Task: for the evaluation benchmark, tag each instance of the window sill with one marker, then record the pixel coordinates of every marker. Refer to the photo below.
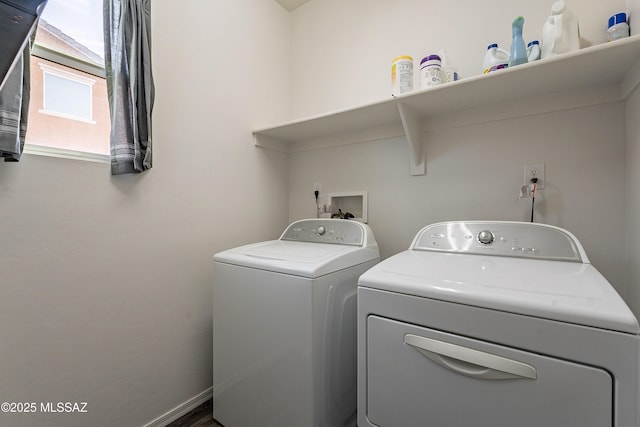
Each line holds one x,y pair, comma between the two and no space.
67,116
40,150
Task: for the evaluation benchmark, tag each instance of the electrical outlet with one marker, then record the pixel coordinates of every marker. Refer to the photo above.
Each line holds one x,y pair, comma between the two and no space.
534,171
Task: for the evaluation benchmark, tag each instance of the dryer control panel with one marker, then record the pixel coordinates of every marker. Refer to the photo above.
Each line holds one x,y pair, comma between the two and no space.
336,231
501,238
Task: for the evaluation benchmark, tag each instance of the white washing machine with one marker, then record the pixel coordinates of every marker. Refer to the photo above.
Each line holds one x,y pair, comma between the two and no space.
494,324
284,326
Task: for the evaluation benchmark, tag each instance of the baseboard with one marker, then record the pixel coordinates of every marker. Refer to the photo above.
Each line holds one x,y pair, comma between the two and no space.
182,409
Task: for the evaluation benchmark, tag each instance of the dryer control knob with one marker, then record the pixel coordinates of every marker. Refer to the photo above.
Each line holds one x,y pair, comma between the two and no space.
321,230
486,237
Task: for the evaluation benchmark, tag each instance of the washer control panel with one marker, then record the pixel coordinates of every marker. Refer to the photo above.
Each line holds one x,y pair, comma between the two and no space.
515,239
343,232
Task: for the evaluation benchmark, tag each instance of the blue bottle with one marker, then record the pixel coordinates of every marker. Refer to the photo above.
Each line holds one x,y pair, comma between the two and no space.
518,48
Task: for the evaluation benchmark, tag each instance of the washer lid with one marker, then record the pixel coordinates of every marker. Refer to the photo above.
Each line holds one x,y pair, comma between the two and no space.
297,258
564,291
309,248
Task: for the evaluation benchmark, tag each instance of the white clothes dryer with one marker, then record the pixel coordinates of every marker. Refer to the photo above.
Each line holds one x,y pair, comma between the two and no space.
284,326
494,324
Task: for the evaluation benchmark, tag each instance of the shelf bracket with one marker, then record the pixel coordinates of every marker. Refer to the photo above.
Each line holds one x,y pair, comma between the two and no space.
413,131
270,142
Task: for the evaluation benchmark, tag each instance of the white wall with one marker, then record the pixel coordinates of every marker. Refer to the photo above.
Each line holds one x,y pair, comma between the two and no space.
105,284
632,167
632,200
341,54
633,16
474,172
342,50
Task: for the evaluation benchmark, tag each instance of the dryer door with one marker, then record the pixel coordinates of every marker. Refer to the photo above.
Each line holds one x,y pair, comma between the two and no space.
418,376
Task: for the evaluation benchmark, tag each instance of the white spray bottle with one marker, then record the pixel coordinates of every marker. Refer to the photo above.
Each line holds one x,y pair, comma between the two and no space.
449,72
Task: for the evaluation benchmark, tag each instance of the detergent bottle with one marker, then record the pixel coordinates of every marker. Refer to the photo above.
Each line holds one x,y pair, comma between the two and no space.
533,50
495,59
518,48
618,27
560,33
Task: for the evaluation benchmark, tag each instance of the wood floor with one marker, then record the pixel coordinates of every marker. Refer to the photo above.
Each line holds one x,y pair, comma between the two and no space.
202,416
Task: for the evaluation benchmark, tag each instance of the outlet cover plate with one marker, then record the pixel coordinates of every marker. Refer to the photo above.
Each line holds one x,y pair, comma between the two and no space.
534,171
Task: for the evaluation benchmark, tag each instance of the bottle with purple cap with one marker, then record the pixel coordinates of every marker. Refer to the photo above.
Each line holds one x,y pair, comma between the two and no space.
431,71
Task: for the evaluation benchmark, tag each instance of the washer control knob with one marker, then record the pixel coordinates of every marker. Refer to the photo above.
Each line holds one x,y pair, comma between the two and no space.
486,237
322,230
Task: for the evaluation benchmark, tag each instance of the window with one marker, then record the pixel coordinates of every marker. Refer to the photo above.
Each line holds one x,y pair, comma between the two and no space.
67,95
69,109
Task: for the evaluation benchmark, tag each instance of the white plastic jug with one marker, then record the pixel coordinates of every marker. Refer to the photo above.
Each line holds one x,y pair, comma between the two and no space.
495,59
533,50
560,33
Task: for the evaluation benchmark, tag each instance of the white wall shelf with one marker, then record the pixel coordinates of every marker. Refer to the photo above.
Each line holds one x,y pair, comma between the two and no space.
615,64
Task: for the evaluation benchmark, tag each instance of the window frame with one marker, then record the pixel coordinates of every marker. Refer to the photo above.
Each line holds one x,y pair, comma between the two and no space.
67,60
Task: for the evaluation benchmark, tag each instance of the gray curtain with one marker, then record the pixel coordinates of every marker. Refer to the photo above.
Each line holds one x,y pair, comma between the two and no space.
127,47
14,107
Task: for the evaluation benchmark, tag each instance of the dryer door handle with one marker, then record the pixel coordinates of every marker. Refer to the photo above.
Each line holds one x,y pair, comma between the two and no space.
470,362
